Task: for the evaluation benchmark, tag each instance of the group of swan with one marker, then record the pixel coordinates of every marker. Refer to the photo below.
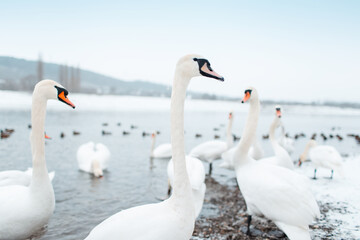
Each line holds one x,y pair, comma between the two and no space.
26,209
269,187
281,157
272,191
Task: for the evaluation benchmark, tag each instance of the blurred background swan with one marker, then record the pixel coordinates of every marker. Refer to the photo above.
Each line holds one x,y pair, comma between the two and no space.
93,158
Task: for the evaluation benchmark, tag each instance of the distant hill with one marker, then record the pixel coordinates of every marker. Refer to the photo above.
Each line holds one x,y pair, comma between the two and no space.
15,72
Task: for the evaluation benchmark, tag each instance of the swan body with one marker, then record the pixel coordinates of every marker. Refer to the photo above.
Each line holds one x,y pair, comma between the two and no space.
209,151
26,209
324,156
212,150
274,192
282,157
196,171
16,177
161,151
173,218
93,158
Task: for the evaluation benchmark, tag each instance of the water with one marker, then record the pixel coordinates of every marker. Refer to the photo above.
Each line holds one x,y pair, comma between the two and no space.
83,201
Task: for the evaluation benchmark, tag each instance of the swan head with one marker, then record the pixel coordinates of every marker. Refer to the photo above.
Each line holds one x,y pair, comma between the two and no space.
230,115
310,144
278,111
53,90
195,65
250,94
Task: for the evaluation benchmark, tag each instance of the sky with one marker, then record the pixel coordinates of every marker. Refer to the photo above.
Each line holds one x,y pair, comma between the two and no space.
289,50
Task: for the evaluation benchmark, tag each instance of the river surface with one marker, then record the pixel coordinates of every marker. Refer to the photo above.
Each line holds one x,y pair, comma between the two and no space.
132,179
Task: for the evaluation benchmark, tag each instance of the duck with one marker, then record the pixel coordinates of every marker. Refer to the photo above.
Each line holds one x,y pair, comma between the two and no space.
29,208
93,158
17,177
212,150
196,172
103,132
161,151
4,134
173,218
282,157
76,133
325,156
271,191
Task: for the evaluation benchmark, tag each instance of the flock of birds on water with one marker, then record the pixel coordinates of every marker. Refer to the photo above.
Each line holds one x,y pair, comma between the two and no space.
270,186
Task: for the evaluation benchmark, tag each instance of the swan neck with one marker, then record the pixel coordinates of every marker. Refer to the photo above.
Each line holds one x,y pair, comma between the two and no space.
249,134
273,127
182,188
37,139
152,146
229,137
306,150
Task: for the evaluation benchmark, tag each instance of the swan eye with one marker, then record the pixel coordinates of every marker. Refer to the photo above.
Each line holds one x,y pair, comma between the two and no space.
209,67
195,59
277,109
248,91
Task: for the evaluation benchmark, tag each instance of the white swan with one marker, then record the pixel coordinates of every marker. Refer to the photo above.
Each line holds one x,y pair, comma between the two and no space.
282,157
196,172
161,151
275,192
212,150
17,177
173,218
93,158
25,210
323,156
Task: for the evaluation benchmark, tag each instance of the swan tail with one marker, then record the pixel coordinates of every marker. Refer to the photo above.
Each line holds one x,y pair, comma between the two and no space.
294,232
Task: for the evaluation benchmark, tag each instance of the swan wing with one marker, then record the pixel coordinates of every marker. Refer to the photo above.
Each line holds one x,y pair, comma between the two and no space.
14,177
163,151
102,154
209,151
278,193
326,156
85,155
151,221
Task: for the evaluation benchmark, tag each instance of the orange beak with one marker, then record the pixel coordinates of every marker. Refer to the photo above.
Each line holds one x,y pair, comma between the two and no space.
47,137
299,163
246,97
66,100
278,113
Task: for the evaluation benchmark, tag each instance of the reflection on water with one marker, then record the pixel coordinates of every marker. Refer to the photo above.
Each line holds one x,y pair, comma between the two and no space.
132,178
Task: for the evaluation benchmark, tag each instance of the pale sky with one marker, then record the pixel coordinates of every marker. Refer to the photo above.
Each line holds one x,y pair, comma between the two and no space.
289,50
